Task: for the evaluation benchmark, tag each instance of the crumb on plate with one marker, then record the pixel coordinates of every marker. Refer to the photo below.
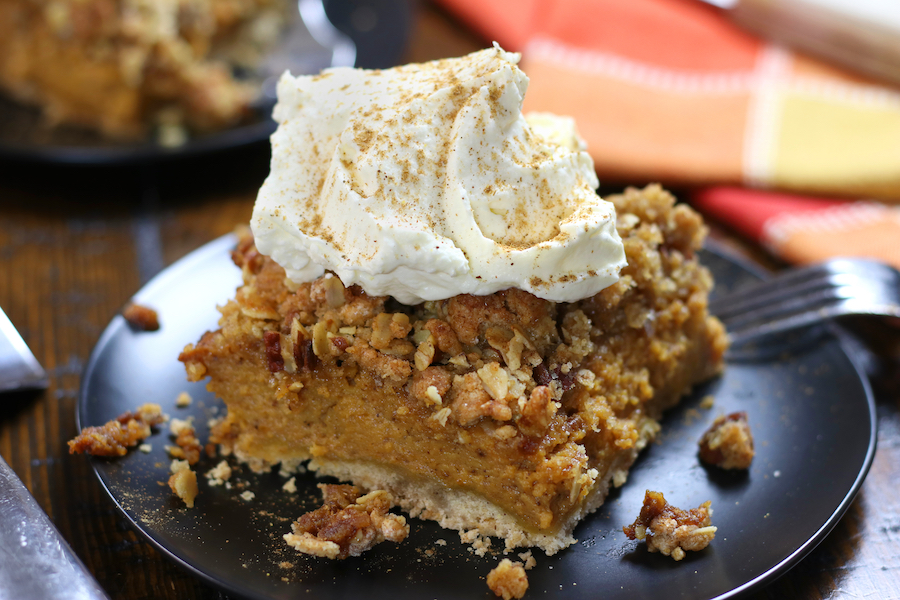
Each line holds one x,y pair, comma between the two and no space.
141,317
219,474
115,437
183,482
728,443
508,579
347,524
669,529
188,446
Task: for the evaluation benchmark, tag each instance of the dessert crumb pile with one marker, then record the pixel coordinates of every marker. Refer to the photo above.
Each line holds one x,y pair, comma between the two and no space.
528,558
115,437
220,474
347,524
669,529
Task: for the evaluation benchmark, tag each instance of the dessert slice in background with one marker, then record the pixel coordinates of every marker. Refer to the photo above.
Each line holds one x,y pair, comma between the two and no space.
122,67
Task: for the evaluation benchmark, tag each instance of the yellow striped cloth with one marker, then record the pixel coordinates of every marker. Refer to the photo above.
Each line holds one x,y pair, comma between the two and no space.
670,90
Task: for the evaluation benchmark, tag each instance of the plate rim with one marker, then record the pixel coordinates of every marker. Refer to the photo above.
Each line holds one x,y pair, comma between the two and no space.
232,138
226,242
842,337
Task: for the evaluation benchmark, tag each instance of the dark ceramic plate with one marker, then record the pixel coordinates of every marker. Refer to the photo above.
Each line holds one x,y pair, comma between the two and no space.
811,412
378,28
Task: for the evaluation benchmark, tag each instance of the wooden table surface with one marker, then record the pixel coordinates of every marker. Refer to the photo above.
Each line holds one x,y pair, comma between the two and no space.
76,243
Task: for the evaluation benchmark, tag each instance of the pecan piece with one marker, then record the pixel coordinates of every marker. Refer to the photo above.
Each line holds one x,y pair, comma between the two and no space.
304,355
273,351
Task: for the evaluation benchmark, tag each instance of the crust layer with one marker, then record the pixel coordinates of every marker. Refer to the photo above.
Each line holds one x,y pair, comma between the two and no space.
467,512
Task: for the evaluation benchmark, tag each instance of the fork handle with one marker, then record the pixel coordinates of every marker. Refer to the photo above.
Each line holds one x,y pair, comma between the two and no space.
837,31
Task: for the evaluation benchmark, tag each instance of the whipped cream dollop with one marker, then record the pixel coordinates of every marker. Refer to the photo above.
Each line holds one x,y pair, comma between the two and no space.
426,181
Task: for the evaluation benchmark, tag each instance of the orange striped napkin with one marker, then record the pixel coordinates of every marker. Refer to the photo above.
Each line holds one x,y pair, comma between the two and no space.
803,229
671,91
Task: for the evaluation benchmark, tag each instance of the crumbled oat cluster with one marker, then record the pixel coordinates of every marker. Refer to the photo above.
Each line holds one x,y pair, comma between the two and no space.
347,524
183,482
219,474
508,579
728,443
187,446
141,317
669,529
115,437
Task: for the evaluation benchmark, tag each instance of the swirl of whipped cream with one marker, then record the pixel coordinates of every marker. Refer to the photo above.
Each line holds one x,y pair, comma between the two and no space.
426,181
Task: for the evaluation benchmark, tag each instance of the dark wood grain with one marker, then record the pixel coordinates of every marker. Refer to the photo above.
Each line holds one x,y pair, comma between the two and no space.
75,244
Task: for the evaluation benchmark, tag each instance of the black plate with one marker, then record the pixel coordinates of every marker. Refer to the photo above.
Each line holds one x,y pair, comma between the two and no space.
811,412
379,28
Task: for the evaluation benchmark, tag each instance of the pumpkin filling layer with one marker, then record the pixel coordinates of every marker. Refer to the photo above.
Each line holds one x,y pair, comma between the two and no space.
503,414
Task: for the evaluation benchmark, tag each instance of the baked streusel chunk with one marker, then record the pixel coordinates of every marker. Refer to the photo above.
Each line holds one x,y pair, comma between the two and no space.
115,437
346,524
507,415
728,443
508,579
672,530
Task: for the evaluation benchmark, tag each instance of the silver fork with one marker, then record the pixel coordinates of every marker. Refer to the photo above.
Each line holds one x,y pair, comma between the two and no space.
809,295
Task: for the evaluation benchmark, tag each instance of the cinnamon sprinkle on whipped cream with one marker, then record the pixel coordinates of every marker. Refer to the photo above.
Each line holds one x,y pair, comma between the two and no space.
426,181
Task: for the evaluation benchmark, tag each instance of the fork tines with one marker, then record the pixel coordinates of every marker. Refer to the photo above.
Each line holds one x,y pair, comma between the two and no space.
808,295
